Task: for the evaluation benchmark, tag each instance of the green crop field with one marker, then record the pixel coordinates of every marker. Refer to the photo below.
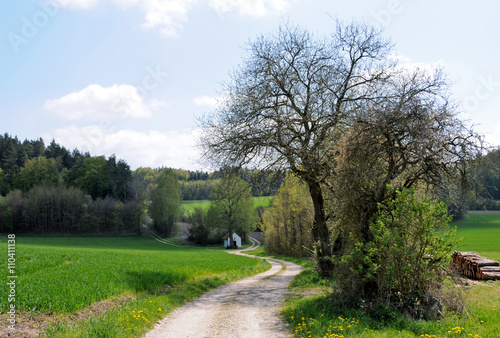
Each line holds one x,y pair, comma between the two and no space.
480,233
60,276
189,206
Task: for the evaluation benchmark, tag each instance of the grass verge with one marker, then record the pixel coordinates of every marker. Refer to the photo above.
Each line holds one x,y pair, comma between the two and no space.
312,311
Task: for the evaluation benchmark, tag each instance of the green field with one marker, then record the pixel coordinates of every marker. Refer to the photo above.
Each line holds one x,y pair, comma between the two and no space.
135,281
480,233
60,276
189,206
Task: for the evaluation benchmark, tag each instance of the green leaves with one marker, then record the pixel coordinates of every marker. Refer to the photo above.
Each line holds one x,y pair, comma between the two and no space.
166,201
231,206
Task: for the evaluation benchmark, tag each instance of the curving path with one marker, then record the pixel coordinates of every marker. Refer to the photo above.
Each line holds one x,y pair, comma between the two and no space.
246,308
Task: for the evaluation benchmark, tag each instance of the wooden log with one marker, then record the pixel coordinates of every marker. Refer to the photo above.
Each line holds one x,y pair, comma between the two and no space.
484,262
471,265
491,275
490,269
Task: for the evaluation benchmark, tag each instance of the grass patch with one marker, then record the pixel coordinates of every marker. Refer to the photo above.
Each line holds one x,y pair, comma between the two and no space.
189,206
262,201
318,316
62,276
312,312
481,233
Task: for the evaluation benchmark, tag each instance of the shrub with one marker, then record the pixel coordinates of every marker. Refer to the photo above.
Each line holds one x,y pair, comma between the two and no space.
410,248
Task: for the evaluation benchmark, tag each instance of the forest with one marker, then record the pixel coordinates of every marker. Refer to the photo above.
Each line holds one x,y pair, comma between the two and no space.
48,189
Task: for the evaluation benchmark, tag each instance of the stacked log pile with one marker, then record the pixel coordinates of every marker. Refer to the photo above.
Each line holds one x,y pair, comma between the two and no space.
470,264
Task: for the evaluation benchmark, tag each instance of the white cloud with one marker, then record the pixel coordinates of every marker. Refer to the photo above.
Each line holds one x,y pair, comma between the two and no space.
96,103
77,4
253,8
493,138
157,104
169,16
208,101
139,149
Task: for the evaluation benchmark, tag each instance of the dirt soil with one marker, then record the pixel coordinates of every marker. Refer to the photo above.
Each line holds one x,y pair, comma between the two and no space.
30,325
246,308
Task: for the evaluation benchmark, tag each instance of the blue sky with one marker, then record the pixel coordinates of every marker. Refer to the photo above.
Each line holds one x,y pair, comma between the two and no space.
130,77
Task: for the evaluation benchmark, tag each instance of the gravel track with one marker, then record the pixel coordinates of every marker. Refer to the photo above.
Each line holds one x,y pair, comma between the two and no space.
246,308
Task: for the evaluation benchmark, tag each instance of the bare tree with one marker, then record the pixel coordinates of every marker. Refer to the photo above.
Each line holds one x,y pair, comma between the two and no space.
291,100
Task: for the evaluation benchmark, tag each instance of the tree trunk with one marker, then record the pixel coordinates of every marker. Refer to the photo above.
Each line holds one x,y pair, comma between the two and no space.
320,231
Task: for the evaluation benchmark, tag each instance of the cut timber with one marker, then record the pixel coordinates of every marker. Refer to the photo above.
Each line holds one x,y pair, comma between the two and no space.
491,276
470,264
490,269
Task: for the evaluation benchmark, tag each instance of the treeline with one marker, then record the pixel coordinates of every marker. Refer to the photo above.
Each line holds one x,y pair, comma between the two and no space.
63,210
262,183
24,165
491,176
51,190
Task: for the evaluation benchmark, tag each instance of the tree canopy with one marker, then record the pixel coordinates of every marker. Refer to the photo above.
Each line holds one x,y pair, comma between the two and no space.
166,201
231,206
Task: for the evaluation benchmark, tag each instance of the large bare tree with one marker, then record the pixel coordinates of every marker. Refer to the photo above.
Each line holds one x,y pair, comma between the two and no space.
296,97
290,101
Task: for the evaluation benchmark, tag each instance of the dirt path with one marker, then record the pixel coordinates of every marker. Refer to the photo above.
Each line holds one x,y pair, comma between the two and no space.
246,308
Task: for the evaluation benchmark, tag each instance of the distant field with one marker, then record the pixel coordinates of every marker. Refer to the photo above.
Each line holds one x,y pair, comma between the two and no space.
481,233
189,206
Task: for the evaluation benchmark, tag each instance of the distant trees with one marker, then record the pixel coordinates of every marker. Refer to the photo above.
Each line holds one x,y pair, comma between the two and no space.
262,183
99,177
492,175
3,185
50,190
231,206
38,171
166,201
287,223
197,190
66,210
199,232
231,210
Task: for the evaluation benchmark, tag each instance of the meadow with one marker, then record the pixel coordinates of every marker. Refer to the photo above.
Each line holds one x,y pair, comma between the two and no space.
311,312
189,206
62,277
480,233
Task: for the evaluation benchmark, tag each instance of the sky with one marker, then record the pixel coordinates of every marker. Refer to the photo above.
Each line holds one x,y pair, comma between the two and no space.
132,77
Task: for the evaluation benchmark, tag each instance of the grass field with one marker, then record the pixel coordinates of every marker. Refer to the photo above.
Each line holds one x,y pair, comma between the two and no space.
481,233
310,313
189,206
120,286
58,277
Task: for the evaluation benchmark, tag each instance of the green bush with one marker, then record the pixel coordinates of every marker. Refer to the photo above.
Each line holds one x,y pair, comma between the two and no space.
410,248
